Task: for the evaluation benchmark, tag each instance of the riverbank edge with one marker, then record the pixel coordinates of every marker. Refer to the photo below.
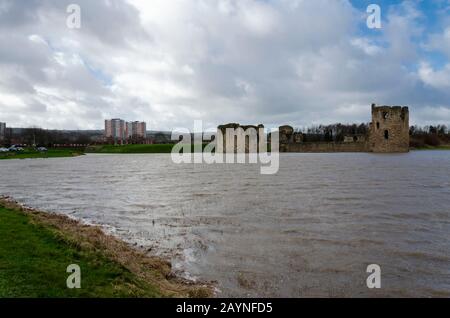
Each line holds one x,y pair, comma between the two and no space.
152,270
43,155
167,148
144,149
433,148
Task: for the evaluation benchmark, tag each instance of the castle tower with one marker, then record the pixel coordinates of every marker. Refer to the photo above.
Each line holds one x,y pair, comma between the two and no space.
389,130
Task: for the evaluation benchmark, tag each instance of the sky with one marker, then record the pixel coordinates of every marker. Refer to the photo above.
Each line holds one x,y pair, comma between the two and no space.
296,62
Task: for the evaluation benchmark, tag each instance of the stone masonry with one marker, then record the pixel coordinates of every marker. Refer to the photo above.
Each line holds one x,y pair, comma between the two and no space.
388,133
389,129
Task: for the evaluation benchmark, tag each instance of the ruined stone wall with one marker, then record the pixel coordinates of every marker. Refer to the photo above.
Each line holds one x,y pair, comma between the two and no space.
291,141
234,133
288,137
388,133
389,130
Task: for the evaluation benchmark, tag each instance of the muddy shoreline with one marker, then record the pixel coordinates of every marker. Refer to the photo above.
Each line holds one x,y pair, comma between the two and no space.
152,269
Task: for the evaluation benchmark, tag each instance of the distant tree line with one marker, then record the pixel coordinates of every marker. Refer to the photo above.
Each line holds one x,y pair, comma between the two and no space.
429,136
47,138
333,132
420,135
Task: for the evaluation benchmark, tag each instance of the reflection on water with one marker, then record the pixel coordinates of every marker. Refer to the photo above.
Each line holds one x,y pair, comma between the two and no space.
310,230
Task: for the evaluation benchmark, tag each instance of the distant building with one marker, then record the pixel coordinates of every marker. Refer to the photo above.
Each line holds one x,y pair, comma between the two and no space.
128,130
115,130
139,129
119,131
2,131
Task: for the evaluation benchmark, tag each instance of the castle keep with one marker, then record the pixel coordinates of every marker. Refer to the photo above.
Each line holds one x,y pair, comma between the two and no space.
388,133
389,129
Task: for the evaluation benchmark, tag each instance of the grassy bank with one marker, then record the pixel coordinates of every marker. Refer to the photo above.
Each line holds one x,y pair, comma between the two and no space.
36,248
32,154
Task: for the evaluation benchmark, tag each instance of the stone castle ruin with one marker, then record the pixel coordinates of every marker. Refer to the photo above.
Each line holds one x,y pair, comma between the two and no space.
388,133
389,129
245,139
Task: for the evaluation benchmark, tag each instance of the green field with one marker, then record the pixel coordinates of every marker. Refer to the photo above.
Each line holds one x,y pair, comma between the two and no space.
33,262
35,251
443,147
133,149
130,149
32,154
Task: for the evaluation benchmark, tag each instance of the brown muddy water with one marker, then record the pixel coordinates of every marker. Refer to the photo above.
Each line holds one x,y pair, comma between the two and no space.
310,230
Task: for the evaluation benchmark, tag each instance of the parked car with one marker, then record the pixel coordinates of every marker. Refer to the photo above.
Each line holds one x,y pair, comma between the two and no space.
41,149
15,148
4,149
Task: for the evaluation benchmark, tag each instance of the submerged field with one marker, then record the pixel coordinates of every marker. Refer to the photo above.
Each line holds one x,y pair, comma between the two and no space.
310,230
36,248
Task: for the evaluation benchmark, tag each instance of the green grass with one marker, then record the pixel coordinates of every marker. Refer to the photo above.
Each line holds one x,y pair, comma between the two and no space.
443,147
34,258
133,149
130,149
32,154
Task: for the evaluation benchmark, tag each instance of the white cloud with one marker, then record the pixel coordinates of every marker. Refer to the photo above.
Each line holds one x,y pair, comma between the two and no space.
170,62
366,46
437,79
440,42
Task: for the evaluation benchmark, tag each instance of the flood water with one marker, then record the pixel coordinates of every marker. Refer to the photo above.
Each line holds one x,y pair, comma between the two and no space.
310,230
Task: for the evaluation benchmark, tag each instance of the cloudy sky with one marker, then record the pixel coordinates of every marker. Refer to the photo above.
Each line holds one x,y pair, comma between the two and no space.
294,62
